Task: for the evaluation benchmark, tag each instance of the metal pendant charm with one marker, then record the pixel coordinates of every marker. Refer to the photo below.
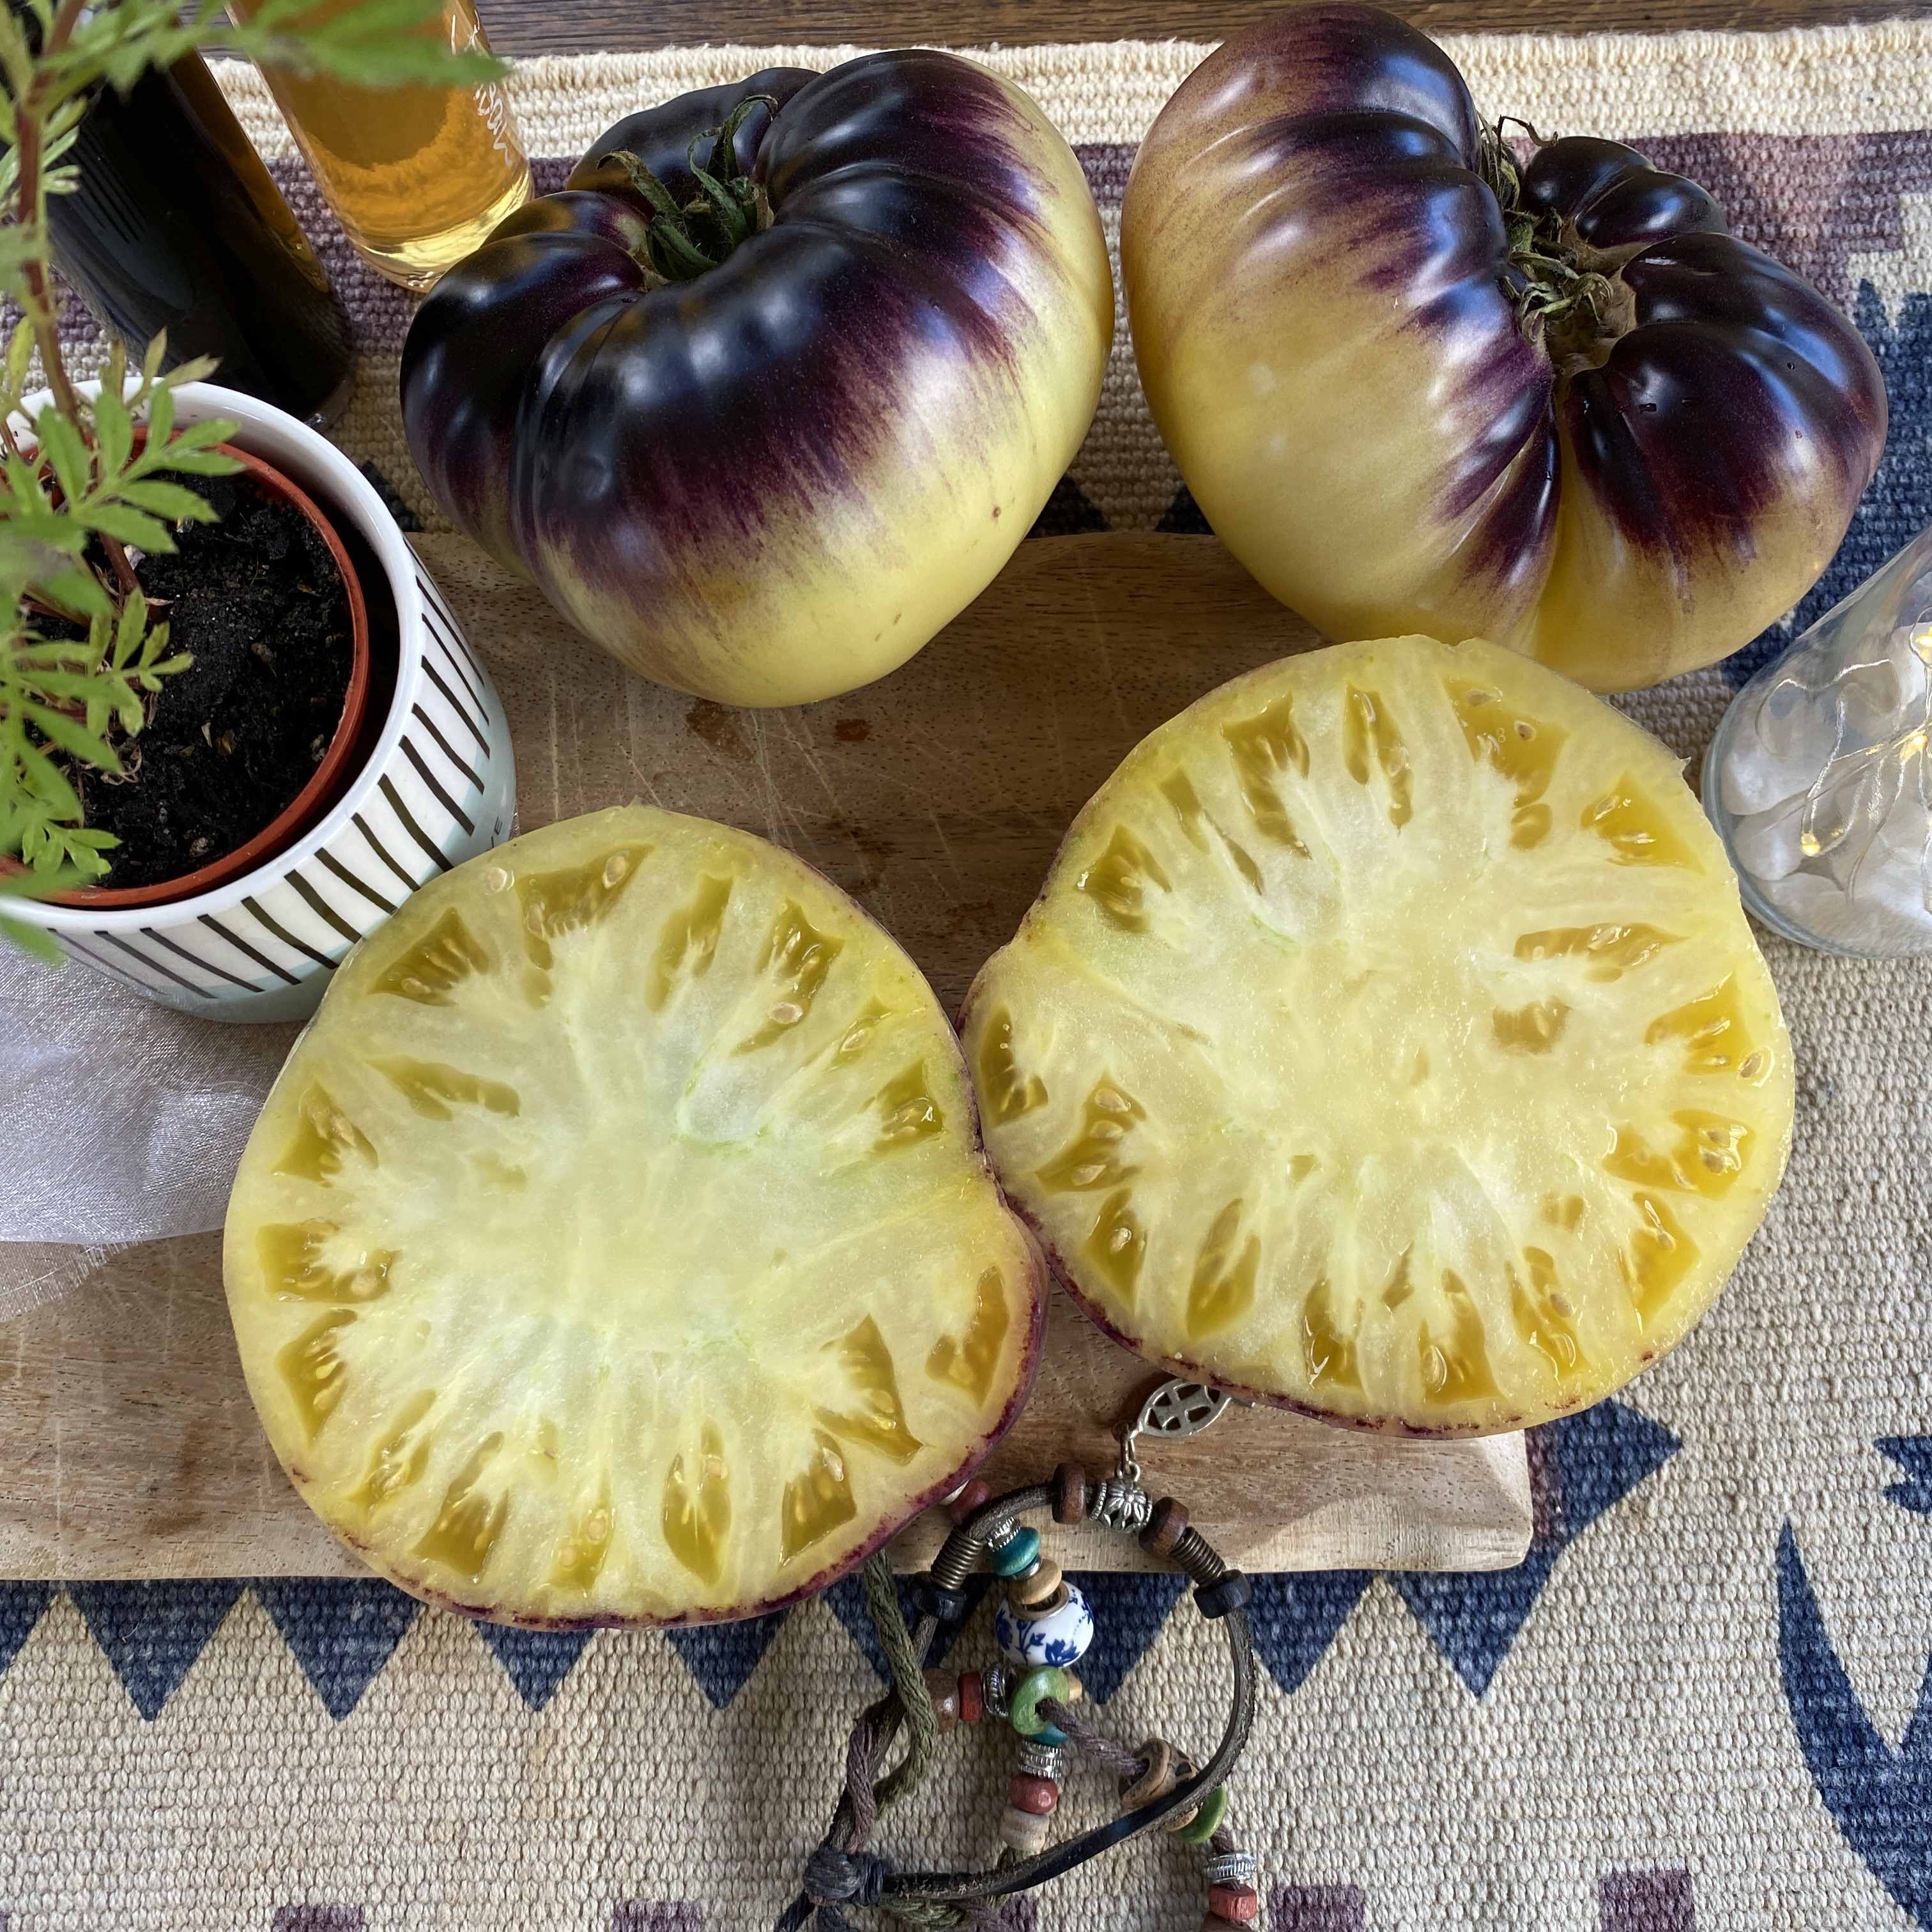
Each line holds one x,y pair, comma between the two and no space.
1173,1411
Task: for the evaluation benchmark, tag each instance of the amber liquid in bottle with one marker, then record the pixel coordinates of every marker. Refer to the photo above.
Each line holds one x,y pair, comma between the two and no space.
417,176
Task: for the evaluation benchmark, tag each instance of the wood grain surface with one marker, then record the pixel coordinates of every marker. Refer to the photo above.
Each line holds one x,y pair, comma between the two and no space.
525,27
127,1445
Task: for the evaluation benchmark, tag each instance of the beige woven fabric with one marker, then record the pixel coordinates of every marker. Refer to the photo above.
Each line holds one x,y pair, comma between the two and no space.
1705,1701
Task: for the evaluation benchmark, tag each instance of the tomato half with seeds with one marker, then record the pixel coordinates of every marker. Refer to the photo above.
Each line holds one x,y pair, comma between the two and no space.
617,1245
1388,1043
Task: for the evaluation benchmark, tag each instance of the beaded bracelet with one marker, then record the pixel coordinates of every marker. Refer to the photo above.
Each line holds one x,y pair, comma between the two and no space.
1044,1625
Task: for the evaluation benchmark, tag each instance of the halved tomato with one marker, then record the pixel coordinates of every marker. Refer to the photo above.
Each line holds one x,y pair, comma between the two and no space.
617,1245
1388,1043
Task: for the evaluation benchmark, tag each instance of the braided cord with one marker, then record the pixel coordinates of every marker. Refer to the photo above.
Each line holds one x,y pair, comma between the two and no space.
905,1659
841,1872
1088,1737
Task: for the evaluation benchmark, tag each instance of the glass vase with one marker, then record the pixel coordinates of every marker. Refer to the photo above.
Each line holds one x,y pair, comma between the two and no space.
1818,778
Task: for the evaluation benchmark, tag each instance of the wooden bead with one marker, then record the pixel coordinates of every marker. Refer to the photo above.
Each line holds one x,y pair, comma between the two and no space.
1035,1593
1036,1795
1234,1904
1025,1832
1038,1612
1070,1491
1158,1778
973,1497
972,1698
943,1688
1164,1529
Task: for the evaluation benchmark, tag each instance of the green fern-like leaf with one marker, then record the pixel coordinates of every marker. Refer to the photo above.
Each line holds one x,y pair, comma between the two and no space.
80,483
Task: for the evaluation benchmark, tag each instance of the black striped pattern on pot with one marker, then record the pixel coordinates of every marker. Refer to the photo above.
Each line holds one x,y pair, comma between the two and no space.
445,792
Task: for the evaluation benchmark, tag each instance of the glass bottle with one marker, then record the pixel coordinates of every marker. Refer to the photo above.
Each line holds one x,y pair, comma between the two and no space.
418,175
1819,777
176,224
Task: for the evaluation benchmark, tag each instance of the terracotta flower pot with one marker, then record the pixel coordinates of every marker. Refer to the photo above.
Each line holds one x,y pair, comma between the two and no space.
325,783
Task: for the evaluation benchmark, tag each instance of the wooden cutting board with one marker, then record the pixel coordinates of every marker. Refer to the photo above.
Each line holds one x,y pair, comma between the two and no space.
127,1446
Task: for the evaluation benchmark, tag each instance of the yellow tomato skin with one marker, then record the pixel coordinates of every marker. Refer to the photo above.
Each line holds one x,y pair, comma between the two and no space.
1327,325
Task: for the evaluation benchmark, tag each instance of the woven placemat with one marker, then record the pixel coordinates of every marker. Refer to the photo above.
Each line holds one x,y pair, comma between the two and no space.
1705,1701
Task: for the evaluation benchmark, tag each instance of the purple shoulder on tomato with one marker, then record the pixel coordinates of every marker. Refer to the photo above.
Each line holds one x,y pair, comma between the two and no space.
472,342
1737,375
1355,63
1733,372
923,111
573,414
1611,196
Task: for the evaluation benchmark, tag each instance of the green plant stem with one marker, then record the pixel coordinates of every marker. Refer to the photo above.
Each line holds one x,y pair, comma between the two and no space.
30,199
30,196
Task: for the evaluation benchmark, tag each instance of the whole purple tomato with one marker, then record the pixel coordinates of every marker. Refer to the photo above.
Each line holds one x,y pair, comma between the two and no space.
771,390
1417,382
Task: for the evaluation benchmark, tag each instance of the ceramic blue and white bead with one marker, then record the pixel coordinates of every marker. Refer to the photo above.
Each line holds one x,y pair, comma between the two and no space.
1061,1637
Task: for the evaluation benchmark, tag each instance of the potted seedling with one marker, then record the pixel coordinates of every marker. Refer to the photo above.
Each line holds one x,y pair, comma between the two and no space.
238,725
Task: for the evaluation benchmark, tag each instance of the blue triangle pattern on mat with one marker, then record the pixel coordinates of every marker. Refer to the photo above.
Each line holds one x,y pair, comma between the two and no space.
846,1601
1913,1454
721,1656
536,1661
1069,512
1183,517
1600,1457
152,1632
21,1606
1473,1617
1129,1607
1296,1616
1580,1467
342,1631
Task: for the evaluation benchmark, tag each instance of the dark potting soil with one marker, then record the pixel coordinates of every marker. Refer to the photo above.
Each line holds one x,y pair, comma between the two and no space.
258,603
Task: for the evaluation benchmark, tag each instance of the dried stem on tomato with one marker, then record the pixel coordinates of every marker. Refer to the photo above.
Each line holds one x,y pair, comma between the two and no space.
688,238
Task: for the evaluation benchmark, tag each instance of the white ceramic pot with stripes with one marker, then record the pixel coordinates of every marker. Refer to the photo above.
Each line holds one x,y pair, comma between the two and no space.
439,787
